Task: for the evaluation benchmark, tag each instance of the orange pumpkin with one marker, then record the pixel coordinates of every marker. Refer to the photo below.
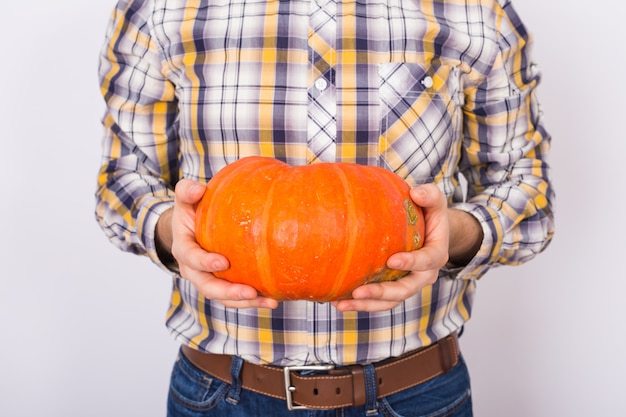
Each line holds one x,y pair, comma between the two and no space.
313,232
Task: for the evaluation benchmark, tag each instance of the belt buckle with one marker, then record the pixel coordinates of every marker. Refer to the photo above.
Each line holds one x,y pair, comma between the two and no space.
289,389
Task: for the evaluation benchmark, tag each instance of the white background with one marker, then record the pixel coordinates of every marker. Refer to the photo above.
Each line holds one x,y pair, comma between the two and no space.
81,324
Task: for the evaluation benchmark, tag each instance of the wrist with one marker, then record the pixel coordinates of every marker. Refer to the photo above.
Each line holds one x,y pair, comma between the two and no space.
466,237
164,238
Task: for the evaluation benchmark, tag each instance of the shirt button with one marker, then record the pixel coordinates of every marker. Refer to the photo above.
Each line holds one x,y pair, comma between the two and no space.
321,84
427,81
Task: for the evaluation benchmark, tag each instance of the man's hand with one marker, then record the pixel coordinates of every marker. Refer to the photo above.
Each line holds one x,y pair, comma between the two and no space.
175,234
450,234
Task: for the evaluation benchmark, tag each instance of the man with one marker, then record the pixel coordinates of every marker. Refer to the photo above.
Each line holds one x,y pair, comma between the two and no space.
440,92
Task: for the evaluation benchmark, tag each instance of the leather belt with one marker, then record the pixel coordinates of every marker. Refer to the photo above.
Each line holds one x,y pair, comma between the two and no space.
337,387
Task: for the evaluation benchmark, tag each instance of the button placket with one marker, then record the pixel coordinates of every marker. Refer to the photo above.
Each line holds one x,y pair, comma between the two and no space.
322,124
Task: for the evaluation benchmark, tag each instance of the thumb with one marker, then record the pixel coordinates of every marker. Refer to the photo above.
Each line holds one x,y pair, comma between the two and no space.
428,195
189,192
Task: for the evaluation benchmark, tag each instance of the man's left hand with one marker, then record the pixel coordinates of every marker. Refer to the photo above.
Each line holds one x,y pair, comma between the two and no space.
424,264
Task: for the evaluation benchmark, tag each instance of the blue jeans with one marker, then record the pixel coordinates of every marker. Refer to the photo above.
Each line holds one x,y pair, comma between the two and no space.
194,393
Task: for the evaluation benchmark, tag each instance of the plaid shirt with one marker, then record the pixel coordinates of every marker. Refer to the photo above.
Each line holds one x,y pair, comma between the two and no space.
436,91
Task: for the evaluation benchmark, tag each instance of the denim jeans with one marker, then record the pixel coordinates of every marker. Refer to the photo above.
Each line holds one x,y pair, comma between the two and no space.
193,393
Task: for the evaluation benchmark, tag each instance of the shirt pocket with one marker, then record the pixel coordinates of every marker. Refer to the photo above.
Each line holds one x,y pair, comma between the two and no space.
420,119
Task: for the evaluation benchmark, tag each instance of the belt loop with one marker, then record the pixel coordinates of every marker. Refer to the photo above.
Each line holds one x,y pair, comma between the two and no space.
371,390
234,394
359,390
448,352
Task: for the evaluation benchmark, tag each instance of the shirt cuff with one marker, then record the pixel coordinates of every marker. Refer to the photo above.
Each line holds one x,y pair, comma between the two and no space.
149,214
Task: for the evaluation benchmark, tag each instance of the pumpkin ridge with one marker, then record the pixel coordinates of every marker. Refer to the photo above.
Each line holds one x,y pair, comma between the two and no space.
262,252
222,178
208,206
389,187
352,220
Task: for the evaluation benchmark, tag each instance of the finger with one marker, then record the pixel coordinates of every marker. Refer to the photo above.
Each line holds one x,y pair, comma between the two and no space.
369,306
386,295
219,289
373,297
190,254
396,290
429,257
259,302
230,294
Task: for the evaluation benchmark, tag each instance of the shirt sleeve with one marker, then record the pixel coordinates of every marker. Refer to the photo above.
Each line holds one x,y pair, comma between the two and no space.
140,147
504,154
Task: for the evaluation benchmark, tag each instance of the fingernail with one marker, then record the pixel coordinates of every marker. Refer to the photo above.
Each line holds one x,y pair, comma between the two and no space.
245,295
420,192
195,189
218,266
394,264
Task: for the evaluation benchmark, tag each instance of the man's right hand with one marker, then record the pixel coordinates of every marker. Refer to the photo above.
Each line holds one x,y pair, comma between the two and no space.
176,234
